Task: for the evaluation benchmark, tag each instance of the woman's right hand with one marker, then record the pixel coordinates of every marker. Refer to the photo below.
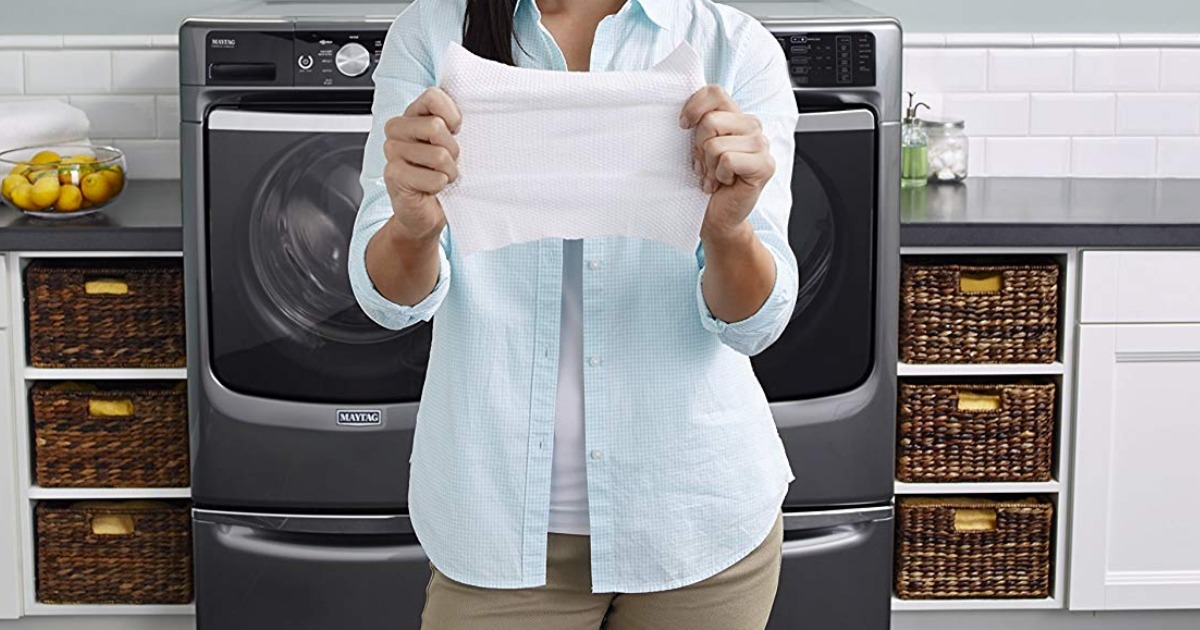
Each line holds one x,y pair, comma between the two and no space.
422,159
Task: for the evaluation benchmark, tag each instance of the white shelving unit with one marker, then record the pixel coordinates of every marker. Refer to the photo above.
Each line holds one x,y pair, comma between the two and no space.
1062,372
29,493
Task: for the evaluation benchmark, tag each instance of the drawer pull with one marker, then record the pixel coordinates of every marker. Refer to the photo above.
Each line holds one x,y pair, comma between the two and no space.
110,407
112,525
978,401
974,520
980,282
106,286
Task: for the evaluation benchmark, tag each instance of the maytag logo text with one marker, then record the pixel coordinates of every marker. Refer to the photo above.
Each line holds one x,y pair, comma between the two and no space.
359,417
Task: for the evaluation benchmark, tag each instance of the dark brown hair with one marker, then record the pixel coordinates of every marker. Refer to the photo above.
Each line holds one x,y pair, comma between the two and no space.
488,29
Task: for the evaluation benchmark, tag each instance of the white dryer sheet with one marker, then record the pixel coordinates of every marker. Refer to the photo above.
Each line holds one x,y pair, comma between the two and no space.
552,154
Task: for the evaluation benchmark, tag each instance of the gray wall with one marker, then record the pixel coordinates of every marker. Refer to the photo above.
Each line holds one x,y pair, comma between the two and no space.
1109,16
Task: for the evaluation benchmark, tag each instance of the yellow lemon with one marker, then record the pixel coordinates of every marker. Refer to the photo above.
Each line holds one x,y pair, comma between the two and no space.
23,197
39,172
46,157
70,175
87,204
79,159
70,199
20,169
10,183
116,180
45,192
96,188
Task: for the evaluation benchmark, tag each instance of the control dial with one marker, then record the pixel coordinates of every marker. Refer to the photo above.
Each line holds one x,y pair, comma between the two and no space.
352,59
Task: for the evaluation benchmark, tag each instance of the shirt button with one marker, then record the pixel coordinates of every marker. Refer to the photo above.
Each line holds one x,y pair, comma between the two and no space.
593,264
596,454
595,361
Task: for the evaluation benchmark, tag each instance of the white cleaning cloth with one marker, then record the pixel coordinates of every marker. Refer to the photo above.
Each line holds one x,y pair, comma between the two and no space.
551,154
35,123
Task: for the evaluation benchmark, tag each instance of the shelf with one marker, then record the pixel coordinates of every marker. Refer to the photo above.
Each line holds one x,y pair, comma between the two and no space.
101,374
75,494
979,369
974,604
1019,487
40,609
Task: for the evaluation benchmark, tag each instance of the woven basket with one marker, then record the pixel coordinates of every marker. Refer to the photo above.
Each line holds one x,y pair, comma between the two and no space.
113,552
960,547
975,432
132,436
110,314
978,313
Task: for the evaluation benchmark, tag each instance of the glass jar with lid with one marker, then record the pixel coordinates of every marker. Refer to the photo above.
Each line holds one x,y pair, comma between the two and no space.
948,149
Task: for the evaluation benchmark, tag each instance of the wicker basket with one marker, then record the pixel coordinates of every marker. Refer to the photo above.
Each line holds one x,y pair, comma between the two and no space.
133,435
953,313
114,314
960,547
953,433
112,552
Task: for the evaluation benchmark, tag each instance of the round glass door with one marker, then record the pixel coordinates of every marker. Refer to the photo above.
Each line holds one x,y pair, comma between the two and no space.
284,321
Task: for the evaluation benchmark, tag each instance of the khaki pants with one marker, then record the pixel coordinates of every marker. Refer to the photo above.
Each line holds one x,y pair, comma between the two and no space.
738,598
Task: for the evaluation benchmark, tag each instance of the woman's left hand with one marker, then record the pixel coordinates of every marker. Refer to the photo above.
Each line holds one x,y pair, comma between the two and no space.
730,153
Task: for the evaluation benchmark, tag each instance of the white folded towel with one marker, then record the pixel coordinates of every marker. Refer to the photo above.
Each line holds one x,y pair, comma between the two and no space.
548,154
29,123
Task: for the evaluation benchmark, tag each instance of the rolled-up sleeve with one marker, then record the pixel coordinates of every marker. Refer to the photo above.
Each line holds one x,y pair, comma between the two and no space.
762,87
406,68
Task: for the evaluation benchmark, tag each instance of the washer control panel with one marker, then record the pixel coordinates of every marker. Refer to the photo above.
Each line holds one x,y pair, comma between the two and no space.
334,58
830,60
305,58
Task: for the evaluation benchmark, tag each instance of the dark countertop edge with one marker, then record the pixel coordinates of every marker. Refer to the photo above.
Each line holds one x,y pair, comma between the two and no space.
168,240
1069,235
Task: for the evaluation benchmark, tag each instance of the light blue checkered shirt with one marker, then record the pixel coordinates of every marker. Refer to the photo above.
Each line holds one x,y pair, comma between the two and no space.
685,468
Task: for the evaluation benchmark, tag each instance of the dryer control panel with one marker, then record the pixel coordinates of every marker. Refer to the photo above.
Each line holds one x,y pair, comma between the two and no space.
302,58
844,59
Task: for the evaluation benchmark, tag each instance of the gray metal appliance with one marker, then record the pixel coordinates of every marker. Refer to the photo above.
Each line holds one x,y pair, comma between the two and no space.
302,410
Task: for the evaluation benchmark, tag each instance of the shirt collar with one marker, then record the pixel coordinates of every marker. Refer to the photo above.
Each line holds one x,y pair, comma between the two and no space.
661,12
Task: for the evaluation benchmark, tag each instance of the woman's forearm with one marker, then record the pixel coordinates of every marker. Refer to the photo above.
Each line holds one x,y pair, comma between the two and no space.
404,269
739,272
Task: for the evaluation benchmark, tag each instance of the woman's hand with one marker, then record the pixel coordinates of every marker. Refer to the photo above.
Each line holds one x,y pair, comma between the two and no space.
732,155
422,159
402,257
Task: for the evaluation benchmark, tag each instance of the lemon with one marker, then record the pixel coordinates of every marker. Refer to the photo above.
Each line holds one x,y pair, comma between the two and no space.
96,188
39,172
21,169
46,157
45,192
80,159
10,183
116,180
22,196
70,175
70,199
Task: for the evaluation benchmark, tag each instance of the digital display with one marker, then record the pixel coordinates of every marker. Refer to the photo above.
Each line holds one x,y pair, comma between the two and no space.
830,59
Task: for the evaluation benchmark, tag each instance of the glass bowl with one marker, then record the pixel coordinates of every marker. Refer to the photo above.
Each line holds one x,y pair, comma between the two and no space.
60,181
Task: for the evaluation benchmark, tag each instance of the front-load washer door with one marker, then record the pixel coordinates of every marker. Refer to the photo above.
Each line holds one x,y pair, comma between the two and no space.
283,193
833,404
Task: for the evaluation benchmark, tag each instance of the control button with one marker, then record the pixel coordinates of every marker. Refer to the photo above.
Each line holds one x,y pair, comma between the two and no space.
595,361
352,59
305,62
596,454
801,80
799,69
800,50
798,39
593,264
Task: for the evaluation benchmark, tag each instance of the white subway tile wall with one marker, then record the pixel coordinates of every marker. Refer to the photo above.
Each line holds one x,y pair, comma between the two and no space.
1046,104
1079,104
127,84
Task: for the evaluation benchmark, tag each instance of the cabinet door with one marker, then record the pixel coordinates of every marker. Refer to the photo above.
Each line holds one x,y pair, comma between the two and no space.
10,561
1137,468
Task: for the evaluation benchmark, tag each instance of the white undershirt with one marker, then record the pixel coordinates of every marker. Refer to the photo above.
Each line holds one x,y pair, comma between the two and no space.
568,476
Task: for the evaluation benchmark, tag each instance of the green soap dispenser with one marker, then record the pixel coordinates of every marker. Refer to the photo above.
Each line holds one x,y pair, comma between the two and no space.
914,147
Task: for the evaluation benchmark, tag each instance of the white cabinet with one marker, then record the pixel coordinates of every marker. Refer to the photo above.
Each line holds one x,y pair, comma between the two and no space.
1134,541
10,562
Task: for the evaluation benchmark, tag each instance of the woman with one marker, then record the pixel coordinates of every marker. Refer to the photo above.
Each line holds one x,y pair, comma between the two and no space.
592,446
